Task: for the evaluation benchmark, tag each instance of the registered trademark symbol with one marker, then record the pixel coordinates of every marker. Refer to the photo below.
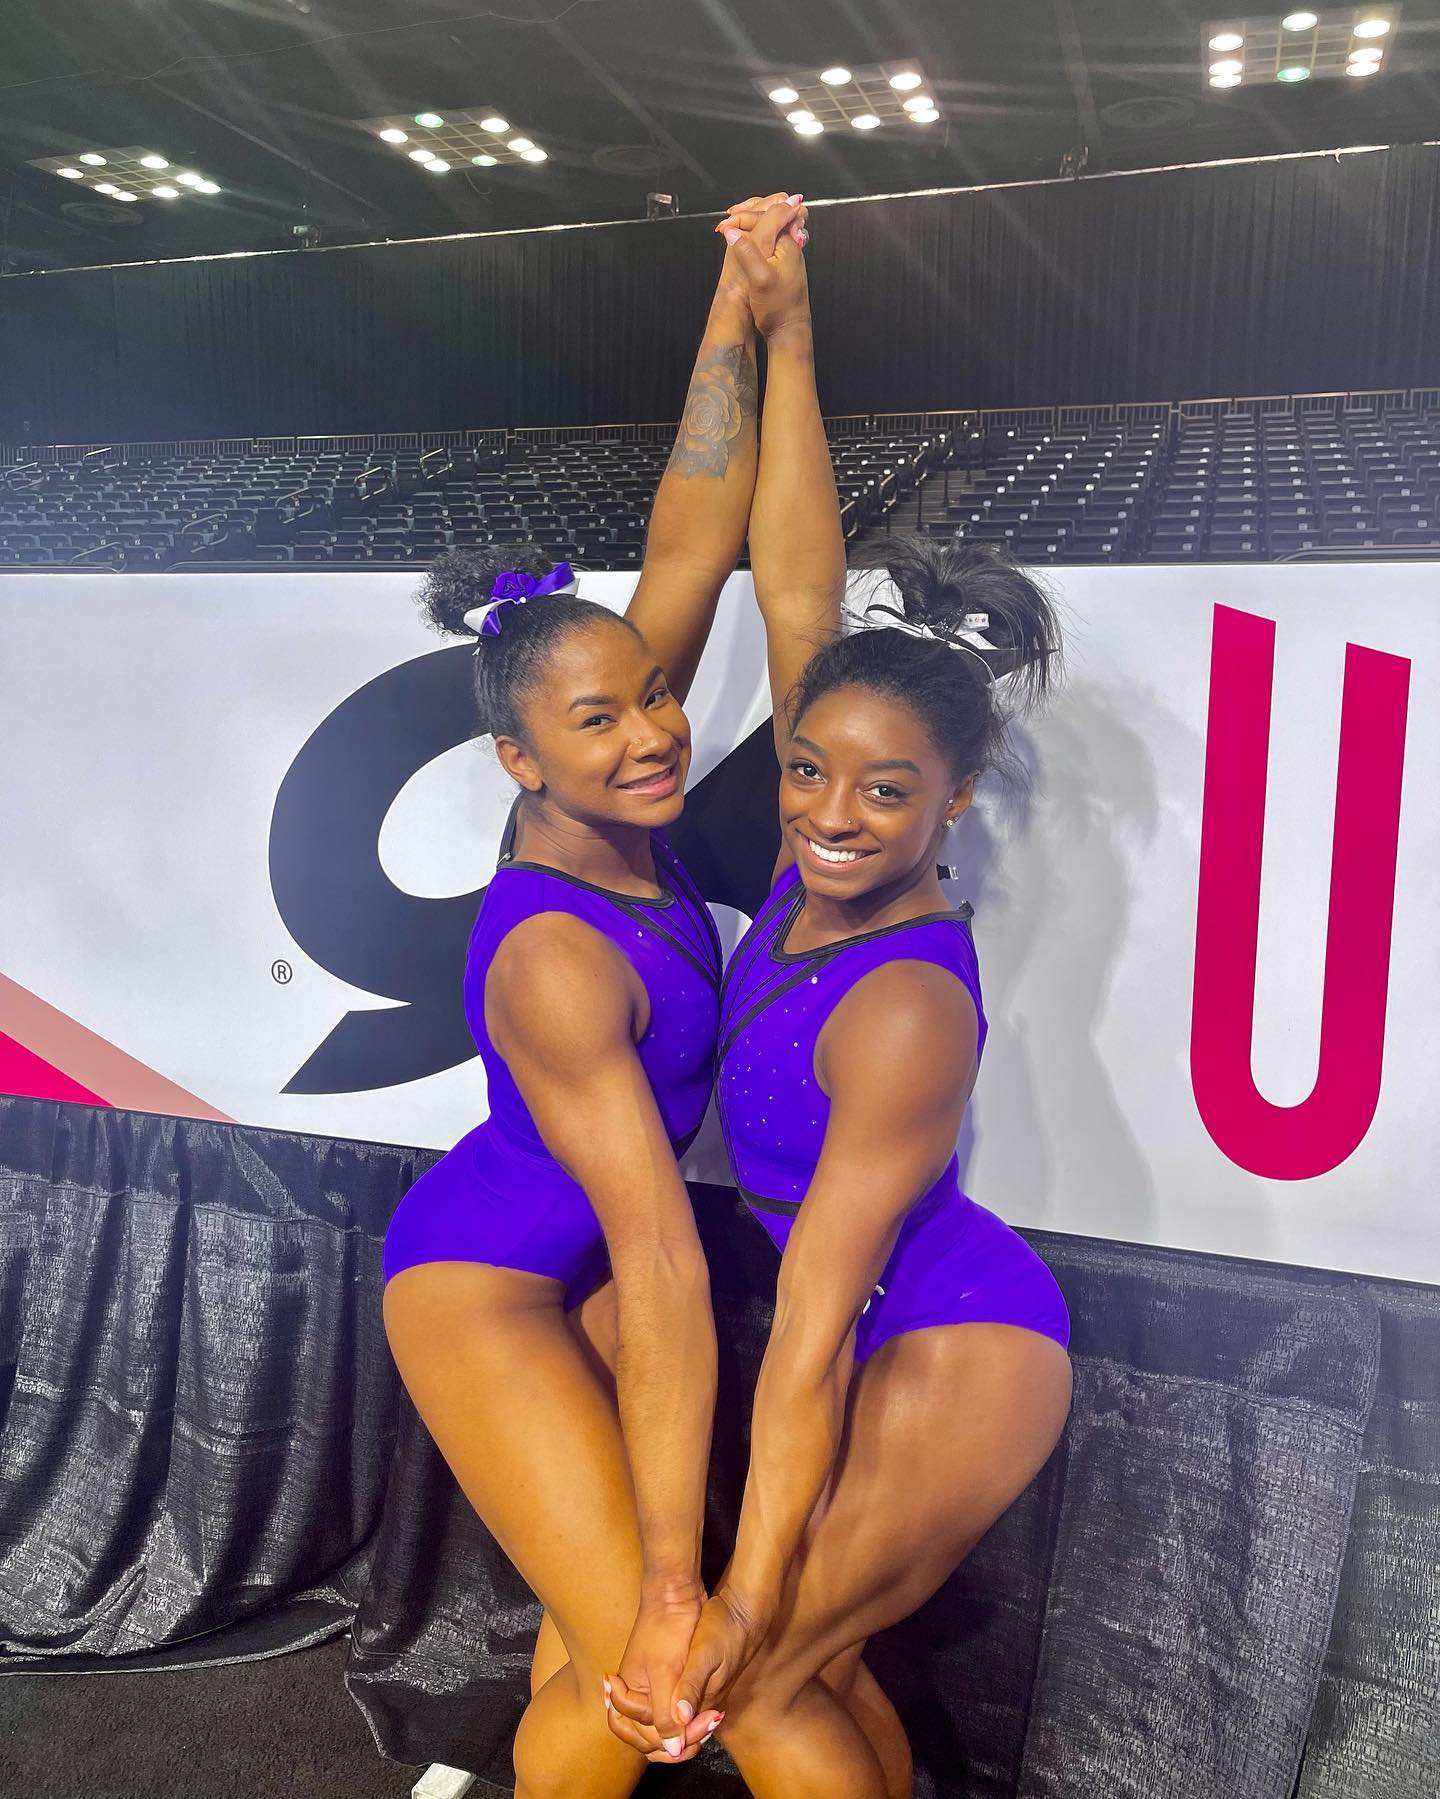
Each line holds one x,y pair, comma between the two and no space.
282,971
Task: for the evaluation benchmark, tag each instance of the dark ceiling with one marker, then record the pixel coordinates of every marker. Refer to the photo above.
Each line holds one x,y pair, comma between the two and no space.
626,95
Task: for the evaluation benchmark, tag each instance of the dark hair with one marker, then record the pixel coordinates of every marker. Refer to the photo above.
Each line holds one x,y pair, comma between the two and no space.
951,690
508,666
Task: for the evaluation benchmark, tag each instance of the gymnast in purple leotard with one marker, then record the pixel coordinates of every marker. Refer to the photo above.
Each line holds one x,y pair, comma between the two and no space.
916,1377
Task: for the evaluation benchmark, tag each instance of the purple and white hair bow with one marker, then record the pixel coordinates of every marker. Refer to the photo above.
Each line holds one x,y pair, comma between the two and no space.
514,589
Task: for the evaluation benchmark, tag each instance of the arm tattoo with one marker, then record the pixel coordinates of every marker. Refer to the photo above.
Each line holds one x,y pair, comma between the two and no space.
723,394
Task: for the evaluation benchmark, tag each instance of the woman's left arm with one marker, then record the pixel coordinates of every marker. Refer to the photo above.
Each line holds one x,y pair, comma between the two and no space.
897,1059
702,507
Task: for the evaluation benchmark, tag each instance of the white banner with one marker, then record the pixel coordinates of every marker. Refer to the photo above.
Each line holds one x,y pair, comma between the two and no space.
242,837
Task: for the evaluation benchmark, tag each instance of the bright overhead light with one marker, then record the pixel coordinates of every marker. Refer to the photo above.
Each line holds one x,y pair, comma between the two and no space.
153,162
1227,67
836,77
94,158
928,117
422,155
1296,72
918,103
1362,68
392,135
905,80
189,179
495,123
1225,80
534,154
485,162
1227,40
784,96
1372,28
123,194
802,117
437,165
430,120
810,128
865,122
1368,53
72,174
519,144
1299,21
105,187
166,193
208,187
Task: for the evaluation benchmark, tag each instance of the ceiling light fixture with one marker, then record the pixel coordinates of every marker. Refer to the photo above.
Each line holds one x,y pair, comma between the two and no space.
393,135
208,187
809,128
520,144
72,174
1227,67
123,194
904,81
1299,21
1372,28
1227,40
485,162
925,118
153,162
802,117
1225,80
189,179
94,158
836,77
534,154
865,122
1367,53
1295,72
437,165
495,123
784,96
430,120
105,187
918,103
1362,68
166,193
421,155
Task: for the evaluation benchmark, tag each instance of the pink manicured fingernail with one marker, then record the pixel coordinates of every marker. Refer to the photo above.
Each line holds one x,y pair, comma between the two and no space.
794,199
684,1711
673,1745
606,1684
731,235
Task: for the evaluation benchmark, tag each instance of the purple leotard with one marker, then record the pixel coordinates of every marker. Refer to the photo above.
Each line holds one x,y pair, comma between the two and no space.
499,1196
953,1262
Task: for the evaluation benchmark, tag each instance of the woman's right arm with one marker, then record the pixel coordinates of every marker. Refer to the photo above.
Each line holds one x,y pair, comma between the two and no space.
561,1004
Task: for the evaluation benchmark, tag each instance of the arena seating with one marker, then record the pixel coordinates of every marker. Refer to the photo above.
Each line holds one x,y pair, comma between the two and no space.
1259,480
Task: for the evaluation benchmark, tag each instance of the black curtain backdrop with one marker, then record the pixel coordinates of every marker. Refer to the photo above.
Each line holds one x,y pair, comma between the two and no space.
1299,275
1226,1581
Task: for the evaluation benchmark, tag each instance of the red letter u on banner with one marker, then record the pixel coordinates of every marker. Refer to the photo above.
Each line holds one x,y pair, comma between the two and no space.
1293,1143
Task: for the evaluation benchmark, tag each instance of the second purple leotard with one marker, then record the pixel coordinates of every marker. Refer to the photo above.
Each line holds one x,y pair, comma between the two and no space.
953,1262
499,1196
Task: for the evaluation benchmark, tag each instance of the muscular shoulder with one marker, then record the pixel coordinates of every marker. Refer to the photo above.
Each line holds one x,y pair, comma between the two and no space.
905,1033
559,988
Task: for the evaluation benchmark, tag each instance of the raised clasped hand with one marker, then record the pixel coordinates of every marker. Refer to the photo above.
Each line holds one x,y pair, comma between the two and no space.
766,237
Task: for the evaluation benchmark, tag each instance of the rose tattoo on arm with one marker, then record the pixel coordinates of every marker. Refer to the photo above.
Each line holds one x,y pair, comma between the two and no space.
724,392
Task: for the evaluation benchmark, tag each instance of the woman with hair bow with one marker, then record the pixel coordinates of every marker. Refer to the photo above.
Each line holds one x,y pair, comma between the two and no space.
547,1300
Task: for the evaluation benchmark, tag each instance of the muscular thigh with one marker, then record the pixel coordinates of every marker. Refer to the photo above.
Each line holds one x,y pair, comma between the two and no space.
520,1406
945,1429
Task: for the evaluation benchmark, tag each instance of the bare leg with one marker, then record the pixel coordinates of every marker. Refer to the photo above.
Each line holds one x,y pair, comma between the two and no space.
517,1408
946,1427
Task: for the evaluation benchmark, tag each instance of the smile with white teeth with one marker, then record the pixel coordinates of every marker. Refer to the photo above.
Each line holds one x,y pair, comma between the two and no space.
836,857
660,775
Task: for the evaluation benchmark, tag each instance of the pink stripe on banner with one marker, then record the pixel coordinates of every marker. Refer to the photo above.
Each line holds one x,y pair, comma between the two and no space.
94,1066
25,1073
